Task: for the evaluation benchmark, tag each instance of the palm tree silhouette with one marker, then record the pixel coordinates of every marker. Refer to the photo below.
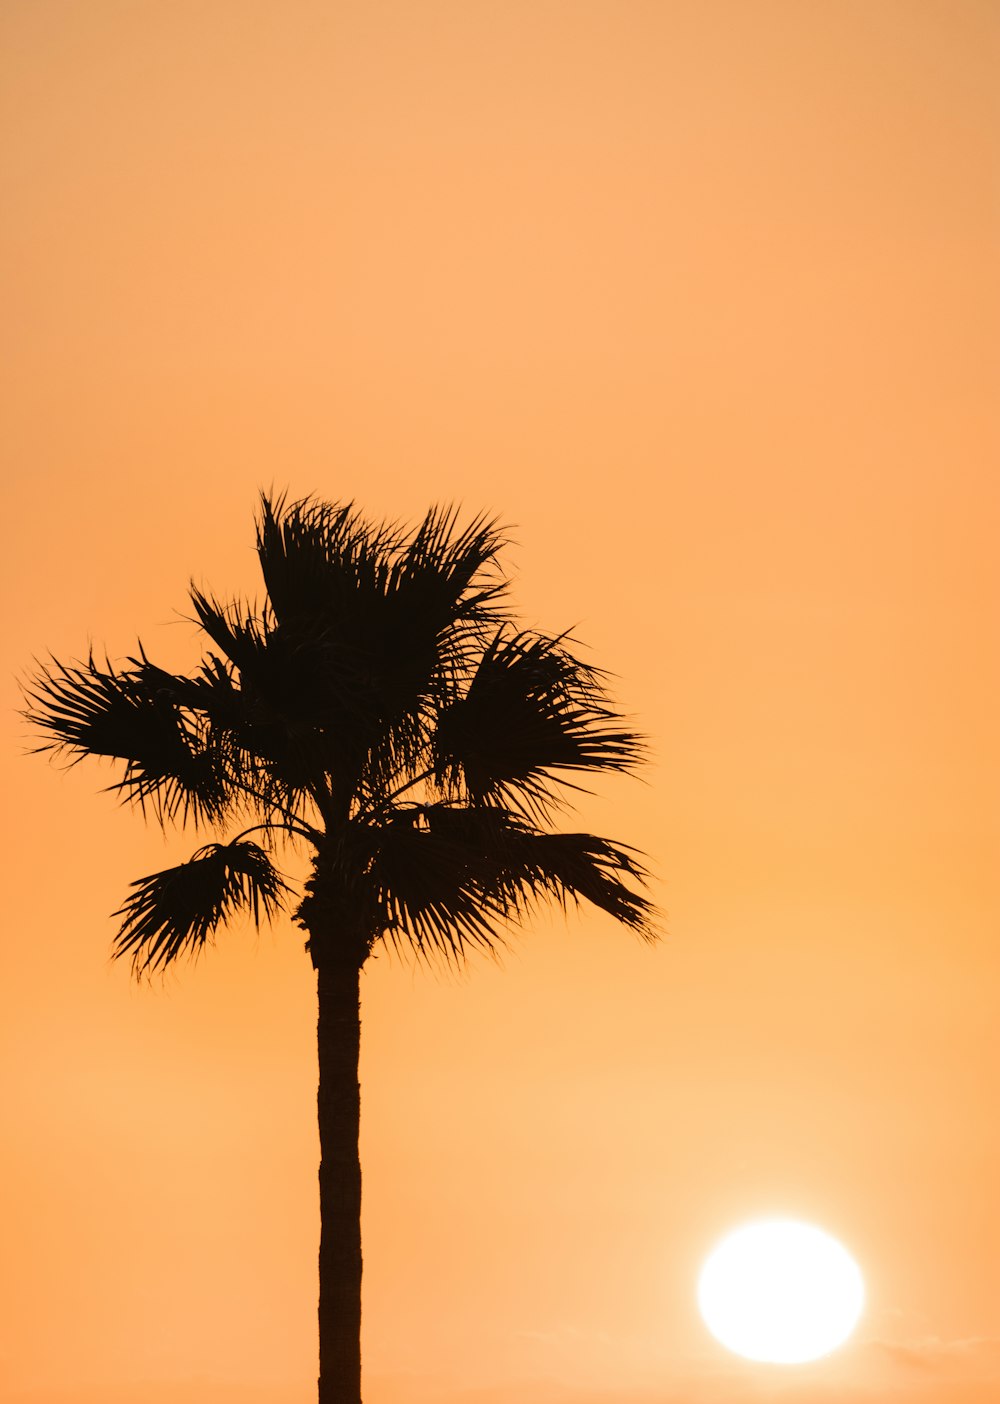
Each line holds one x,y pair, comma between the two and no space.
382,709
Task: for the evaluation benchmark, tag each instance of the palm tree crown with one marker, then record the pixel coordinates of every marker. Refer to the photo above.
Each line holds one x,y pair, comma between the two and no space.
380,706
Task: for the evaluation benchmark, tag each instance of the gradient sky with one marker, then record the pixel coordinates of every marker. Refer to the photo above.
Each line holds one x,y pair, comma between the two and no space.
701,297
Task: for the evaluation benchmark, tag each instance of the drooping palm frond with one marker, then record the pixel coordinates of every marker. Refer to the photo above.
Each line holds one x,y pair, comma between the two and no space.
447,878
571,867
531,710
128,715
432,887
176,911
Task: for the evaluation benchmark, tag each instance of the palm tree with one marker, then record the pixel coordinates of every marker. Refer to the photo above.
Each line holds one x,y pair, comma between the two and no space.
382,710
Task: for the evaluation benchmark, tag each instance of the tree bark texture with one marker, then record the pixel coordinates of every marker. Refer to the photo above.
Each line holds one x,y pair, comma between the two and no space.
339,1107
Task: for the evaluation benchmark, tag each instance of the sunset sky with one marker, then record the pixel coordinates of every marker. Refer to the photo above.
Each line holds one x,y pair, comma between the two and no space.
701,297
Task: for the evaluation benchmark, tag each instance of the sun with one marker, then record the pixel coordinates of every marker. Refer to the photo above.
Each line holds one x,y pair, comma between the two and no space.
780,1291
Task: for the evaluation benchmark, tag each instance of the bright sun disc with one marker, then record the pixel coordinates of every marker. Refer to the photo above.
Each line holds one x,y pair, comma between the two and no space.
780,1291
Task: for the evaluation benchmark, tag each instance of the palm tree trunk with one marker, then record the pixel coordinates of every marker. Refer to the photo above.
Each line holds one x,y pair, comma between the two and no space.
339,1106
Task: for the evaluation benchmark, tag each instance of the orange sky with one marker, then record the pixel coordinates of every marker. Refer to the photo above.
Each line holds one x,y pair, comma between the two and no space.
701,295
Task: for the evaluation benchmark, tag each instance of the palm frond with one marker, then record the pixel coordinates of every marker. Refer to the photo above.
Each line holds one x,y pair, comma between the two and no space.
444,596
317,557
431,888
130,715
448,878
263,761
177,911
571,867
234,628
531,711
449,576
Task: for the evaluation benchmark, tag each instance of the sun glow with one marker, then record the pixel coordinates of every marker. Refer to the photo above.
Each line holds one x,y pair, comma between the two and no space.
780,1291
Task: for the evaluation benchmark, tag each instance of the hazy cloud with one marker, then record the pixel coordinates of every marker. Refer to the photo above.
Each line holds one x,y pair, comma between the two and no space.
968,1355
